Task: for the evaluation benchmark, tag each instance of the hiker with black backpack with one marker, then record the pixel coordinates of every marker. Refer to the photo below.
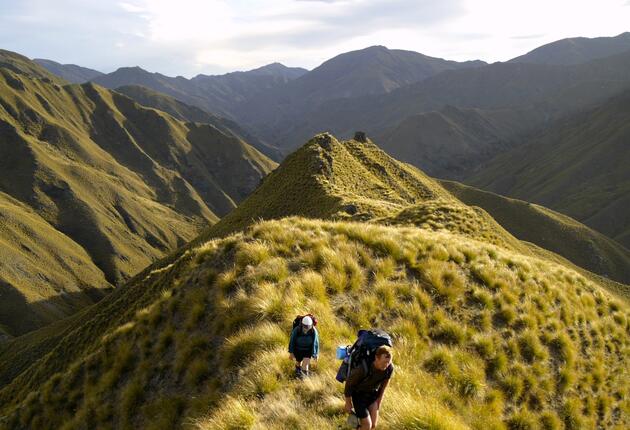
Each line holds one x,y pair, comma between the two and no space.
366,369
365,389
304,344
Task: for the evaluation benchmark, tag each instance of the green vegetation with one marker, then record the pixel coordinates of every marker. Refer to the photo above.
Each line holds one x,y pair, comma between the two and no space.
577,166
96,187
551,230
490,332
207,344
184,112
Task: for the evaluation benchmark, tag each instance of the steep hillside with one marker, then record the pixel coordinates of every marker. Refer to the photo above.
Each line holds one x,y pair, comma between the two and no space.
184,112
484,338
576,50
451,142
355,179
216,94
120,184
578,166
488,332
44,274
69,72
551,230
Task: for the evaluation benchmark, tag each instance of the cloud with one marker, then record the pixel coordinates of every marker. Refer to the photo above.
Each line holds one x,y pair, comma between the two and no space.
186,37
527,36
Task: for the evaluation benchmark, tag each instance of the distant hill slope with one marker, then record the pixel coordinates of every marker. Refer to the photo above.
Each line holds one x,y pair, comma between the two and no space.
184,112
577,166
373,70
215,94
551,230
266,95
118,184
576,50
70,72
452,142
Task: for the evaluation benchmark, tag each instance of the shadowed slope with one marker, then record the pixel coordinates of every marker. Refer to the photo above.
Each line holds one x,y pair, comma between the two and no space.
578,166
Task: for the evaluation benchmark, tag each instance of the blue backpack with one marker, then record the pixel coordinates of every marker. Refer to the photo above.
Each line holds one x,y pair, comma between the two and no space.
361,353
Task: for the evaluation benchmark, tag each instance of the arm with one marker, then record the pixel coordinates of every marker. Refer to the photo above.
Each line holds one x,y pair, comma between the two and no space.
316,344
381,391
292,342
355,377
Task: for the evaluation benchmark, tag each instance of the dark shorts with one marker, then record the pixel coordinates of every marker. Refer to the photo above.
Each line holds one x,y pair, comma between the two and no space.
362,402
301,355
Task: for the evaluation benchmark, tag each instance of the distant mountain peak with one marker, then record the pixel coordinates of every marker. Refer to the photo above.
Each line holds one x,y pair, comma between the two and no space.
576,50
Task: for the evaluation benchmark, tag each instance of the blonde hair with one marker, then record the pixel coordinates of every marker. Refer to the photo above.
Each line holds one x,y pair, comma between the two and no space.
384,350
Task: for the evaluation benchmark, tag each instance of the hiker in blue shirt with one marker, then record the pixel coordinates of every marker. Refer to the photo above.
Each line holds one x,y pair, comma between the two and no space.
304,346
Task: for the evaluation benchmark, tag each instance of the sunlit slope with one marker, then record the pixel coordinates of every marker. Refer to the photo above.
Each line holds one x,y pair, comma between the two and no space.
484,337
120,184
185,112
351,179
551,230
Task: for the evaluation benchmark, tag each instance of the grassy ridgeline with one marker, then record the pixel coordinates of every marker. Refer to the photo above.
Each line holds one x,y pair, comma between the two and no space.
484,338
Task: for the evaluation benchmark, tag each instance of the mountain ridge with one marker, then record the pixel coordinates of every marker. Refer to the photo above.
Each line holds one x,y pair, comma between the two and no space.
70,72
576,50
575,166
96,187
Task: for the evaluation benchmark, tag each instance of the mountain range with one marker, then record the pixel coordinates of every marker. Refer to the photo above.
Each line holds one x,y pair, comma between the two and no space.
99,187
578,166
576,50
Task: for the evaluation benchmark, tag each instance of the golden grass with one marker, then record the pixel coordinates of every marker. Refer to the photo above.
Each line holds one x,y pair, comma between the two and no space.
216,357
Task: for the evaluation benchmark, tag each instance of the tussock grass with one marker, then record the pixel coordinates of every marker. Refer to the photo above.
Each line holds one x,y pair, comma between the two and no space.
498,353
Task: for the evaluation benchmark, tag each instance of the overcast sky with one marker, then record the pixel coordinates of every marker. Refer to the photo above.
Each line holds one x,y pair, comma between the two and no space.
187,37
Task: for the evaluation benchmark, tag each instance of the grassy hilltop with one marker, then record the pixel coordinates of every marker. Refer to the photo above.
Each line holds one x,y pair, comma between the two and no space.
490,332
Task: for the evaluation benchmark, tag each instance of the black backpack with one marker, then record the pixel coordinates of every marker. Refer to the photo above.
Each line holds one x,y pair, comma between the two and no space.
362,352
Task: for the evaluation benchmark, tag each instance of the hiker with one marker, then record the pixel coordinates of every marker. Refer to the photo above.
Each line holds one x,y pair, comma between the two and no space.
366,386
304,344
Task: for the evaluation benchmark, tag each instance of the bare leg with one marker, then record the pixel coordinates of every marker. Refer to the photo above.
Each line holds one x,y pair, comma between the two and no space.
305,363
366,423
373,414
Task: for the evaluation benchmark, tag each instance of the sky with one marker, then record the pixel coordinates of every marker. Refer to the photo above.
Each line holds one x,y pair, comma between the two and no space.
188,37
